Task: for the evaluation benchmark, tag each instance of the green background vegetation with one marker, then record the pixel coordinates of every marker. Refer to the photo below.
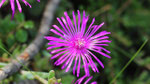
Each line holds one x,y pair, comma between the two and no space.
127,20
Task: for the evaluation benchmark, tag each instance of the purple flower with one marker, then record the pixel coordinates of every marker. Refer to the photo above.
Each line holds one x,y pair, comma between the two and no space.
77,43
80,80
12,3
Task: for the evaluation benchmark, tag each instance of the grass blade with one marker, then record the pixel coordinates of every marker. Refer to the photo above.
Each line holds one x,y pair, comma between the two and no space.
128,62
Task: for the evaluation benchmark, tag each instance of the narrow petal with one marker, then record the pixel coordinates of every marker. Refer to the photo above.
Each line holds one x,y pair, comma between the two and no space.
86,69
57,33
19,6
94,82
93,66
84,22
101,48
103,41
12,3
78,68
51,47
57,50
79,17
69,22
88,80
55,26
60,22
100,38
66,63
81,79
89,33
89,28
74,68
65,22
26,3
54,39
96,59
100,34
95,29
57,44
58,54
74,18
62,59
38,0
103,54
100,44
67,69
2,2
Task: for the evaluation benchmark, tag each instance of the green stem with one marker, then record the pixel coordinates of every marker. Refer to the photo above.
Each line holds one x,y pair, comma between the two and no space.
128,62
18,61
41,79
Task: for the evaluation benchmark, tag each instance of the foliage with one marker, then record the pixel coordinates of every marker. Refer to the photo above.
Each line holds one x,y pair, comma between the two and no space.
127,20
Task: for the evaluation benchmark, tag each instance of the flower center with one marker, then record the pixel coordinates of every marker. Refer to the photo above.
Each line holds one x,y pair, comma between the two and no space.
79,43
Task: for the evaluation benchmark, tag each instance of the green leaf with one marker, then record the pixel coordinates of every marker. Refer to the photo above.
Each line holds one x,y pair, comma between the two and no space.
51,74
1,46
145,61
67,79
28,25
30,74
20,17
138,18
10,40
6,25
143,75
2,64
21,35
1,43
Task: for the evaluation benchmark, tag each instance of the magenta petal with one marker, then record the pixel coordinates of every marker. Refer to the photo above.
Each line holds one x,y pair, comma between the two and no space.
79,17
97,59
70,64
81,80
78,68
94,82
69,22
74,18
74,68
1,3
93,66
54,31
38,0
57,50
96,28
66,63
12,3
103,54
62,59
54,39
19,6
86,69
100,34
58,54
55,26
88,80
26,3
89,28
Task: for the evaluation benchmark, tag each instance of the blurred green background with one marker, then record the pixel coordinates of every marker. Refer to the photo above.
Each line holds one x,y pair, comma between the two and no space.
127,20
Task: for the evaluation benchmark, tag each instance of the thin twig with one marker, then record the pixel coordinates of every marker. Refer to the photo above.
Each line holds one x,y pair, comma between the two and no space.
36,45
123,7
102,10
